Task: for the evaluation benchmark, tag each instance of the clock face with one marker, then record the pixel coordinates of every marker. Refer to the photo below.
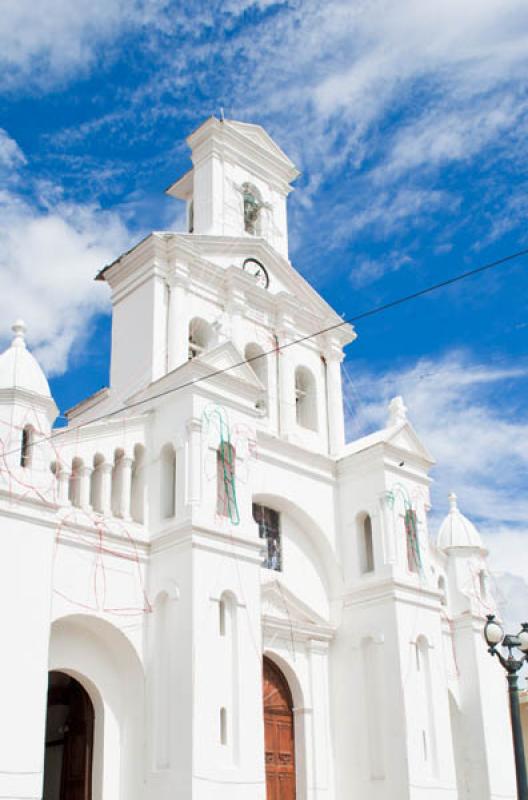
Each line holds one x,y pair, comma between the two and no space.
257,270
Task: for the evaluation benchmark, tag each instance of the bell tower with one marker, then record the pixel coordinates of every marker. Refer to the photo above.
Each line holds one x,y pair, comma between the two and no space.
238,184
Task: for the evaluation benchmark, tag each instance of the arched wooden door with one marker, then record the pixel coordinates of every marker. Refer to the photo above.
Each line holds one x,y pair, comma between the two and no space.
278,734
69,740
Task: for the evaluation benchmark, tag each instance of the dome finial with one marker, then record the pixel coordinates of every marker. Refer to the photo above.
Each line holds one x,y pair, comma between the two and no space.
397,411
452,501
19,329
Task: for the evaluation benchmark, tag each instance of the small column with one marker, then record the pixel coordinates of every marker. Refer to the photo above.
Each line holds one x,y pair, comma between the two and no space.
286,379
84,474
64,485
194,475
389,548
106,488
336,421
126,485
178,323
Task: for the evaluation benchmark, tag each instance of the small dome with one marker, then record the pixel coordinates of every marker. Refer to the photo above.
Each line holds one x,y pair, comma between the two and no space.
19,369
456,530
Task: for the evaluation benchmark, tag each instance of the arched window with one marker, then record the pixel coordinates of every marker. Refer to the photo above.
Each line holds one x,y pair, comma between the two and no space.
26,446
442,590
200,337
222,618
96,483
74,488
268,521
305,399
366,547
252,209
190,217
137,486
258,362
413,544
483,584
225,481
223,726
167,481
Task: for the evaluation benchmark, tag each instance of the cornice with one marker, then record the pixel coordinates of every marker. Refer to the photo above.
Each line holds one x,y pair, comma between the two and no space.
284,452
14,395
301,631
412,592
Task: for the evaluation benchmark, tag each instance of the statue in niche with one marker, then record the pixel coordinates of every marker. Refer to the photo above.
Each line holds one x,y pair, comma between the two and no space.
252,207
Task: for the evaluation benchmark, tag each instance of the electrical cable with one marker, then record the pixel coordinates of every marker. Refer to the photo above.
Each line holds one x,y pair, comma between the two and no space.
347,321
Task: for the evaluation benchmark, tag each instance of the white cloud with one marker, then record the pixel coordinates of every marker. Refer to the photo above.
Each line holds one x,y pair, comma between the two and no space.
42,43
11,155
49,255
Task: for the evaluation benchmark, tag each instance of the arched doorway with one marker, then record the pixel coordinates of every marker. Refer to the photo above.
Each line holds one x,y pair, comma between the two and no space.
69,740
278,734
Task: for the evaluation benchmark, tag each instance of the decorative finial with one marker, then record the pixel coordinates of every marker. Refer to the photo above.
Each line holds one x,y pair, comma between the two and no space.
452,502
397,411
19,329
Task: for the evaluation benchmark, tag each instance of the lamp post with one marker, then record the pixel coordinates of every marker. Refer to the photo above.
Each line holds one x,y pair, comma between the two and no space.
494,635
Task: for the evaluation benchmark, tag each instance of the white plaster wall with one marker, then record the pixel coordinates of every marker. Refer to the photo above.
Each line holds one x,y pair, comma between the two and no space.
25,586
100,657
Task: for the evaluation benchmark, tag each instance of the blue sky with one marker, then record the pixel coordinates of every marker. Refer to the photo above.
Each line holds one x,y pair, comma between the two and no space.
409,122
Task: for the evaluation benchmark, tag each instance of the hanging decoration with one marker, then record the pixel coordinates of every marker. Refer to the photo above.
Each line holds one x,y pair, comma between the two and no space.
217,415
410,521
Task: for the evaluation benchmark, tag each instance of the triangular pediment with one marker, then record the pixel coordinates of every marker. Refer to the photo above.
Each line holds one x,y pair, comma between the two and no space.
281,605
404,437
226,358
257,135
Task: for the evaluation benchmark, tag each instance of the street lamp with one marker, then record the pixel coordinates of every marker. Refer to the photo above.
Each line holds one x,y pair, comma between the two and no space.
494,635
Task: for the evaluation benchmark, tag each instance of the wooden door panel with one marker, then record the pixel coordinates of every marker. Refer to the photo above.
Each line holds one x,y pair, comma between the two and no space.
278,735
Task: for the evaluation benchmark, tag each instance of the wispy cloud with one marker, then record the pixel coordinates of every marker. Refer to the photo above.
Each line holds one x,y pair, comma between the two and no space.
50,251
43,44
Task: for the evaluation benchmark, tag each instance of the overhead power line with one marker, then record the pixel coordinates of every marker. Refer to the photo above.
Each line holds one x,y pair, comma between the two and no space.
345,321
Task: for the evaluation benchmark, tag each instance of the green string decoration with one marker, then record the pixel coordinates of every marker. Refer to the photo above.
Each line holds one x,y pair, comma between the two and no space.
410,522
227,456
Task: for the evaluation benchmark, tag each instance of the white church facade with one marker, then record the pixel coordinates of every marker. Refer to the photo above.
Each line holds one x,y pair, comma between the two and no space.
208,594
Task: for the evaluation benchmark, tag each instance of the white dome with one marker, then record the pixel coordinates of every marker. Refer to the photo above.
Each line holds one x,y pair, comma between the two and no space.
19,369
456,530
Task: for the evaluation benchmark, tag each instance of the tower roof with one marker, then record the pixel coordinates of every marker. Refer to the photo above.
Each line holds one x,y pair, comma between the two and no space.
19,369
456,530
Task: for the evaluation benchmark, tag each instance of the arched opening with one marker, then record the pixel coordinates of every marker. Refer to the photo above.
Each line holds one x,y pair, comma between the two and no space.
226,504
268,521
442,589
483,584
252,209
366,547
26,446
200,337
167,481
257,359
279,734
69,740
305,399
